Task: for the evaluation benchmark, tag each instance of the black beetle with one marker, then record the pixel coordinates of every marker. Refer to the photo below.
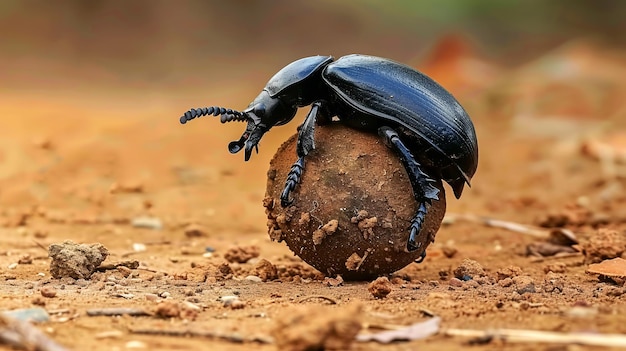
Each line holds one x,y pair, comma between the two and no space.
427,127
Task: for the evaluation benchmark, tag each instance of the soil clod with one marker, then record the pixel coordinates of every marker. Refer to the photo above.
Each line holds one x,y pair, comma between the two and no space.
77,261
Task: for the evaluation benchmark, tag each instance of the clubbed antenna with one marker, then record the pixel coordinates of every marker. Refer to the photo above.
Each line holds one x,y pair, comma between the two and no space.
228,115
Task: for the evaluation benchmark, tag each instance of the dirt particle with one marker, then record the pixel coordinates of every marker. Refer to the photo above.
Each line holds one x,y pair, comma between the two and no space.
558,267
168,309
469,269
508,272
276,235
327,229
553,283
236,305
305,328
353,262
224,271
365,223
333,282
456,282
241,254
130,187
268,202
571,215
361,215
604,244
281,219
524,284
38,301
195,231
48,291
506,282
25,259
77,261
380,288
305,218
449,251
265,270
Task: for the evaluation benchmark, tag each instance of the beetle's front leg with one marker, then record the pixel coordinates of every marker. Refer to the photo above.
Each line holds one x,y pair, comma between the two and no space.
305,143
423,186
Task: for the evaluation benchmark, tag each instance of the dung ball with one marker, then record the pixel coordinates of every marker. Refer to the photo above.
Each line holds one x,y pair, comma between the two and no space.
352,208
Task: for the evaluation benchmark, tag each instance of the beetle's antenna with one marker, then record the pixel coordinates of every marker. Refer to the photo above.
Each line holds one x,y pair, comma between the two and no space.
228,115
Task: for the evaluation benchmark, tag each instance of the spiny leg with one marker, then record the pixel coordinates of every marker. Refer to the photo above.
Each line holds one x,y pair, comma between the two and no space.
423,186
305,143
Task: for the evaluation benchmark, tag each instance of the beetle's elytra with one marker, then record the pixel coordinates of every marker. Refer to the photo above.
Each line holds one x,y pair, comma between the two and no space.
426,126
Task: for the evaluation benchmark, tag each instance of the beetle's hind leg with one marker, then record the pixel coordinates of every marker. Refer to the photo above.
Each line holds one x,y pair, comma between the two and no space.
424,189
305,143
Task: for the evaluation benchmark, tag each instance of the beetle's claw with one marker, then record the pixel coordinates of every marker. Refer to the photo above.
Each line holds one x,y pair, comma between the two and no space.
421,258
293,178
285,201
411,245
416,226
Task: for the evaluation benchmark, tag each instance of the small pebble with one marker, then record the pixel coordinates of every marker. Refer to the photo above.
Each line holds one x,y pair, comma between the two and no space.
139,247
26,259
228,298
469,269
254,278
191,306
48,291
380,288
147,222
449,251
195,231
151,297
13,265
456,282
135,344
236,305
168,309
506,282
524,284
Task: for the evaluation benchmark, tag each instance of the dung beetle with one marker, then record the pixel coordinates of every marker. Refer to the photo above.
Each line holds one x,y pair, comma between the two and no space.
416,117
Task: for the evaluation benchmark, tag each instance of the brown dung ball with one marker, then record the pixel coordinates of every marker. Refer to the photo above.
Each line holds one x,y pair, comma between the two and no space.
352,209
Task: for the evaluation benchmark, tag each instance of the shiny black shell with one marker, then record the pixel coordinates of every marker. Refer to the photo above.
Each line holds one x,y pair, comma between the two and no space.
393,92
367,92
297,79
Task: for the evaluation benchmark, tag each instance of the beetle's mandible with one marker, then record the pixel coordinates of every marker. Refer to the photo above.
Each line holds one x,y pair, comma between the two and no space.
425,125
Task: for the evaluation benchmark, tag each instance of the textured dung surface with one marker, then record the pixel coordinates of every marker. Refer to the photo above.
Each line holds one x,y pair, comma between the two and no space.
352,208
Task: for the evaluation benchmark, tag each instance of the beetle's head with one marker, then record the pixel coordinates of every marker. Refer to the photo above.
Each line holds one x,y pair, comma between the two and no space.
262,114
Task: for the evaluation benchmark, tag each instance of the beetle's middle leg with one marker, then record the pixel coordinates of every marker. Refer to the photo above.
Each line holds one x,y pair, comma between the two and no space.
423,186
305,143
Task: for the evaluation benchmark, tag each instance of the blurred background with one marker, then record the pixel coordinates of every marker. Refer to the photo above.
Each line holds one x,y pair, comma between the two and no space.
203,44
91,91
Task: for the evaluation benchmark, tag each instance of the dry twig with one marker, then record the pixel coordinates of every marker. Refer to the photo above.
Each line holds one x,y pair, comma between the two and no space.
497,223
117,311
532,336
131,264
238,338
23,335
332,302
557,256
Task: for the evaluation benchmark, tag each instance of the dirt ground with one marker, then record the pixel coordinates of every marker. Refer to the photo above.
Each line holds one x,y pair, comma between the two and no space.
114,167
